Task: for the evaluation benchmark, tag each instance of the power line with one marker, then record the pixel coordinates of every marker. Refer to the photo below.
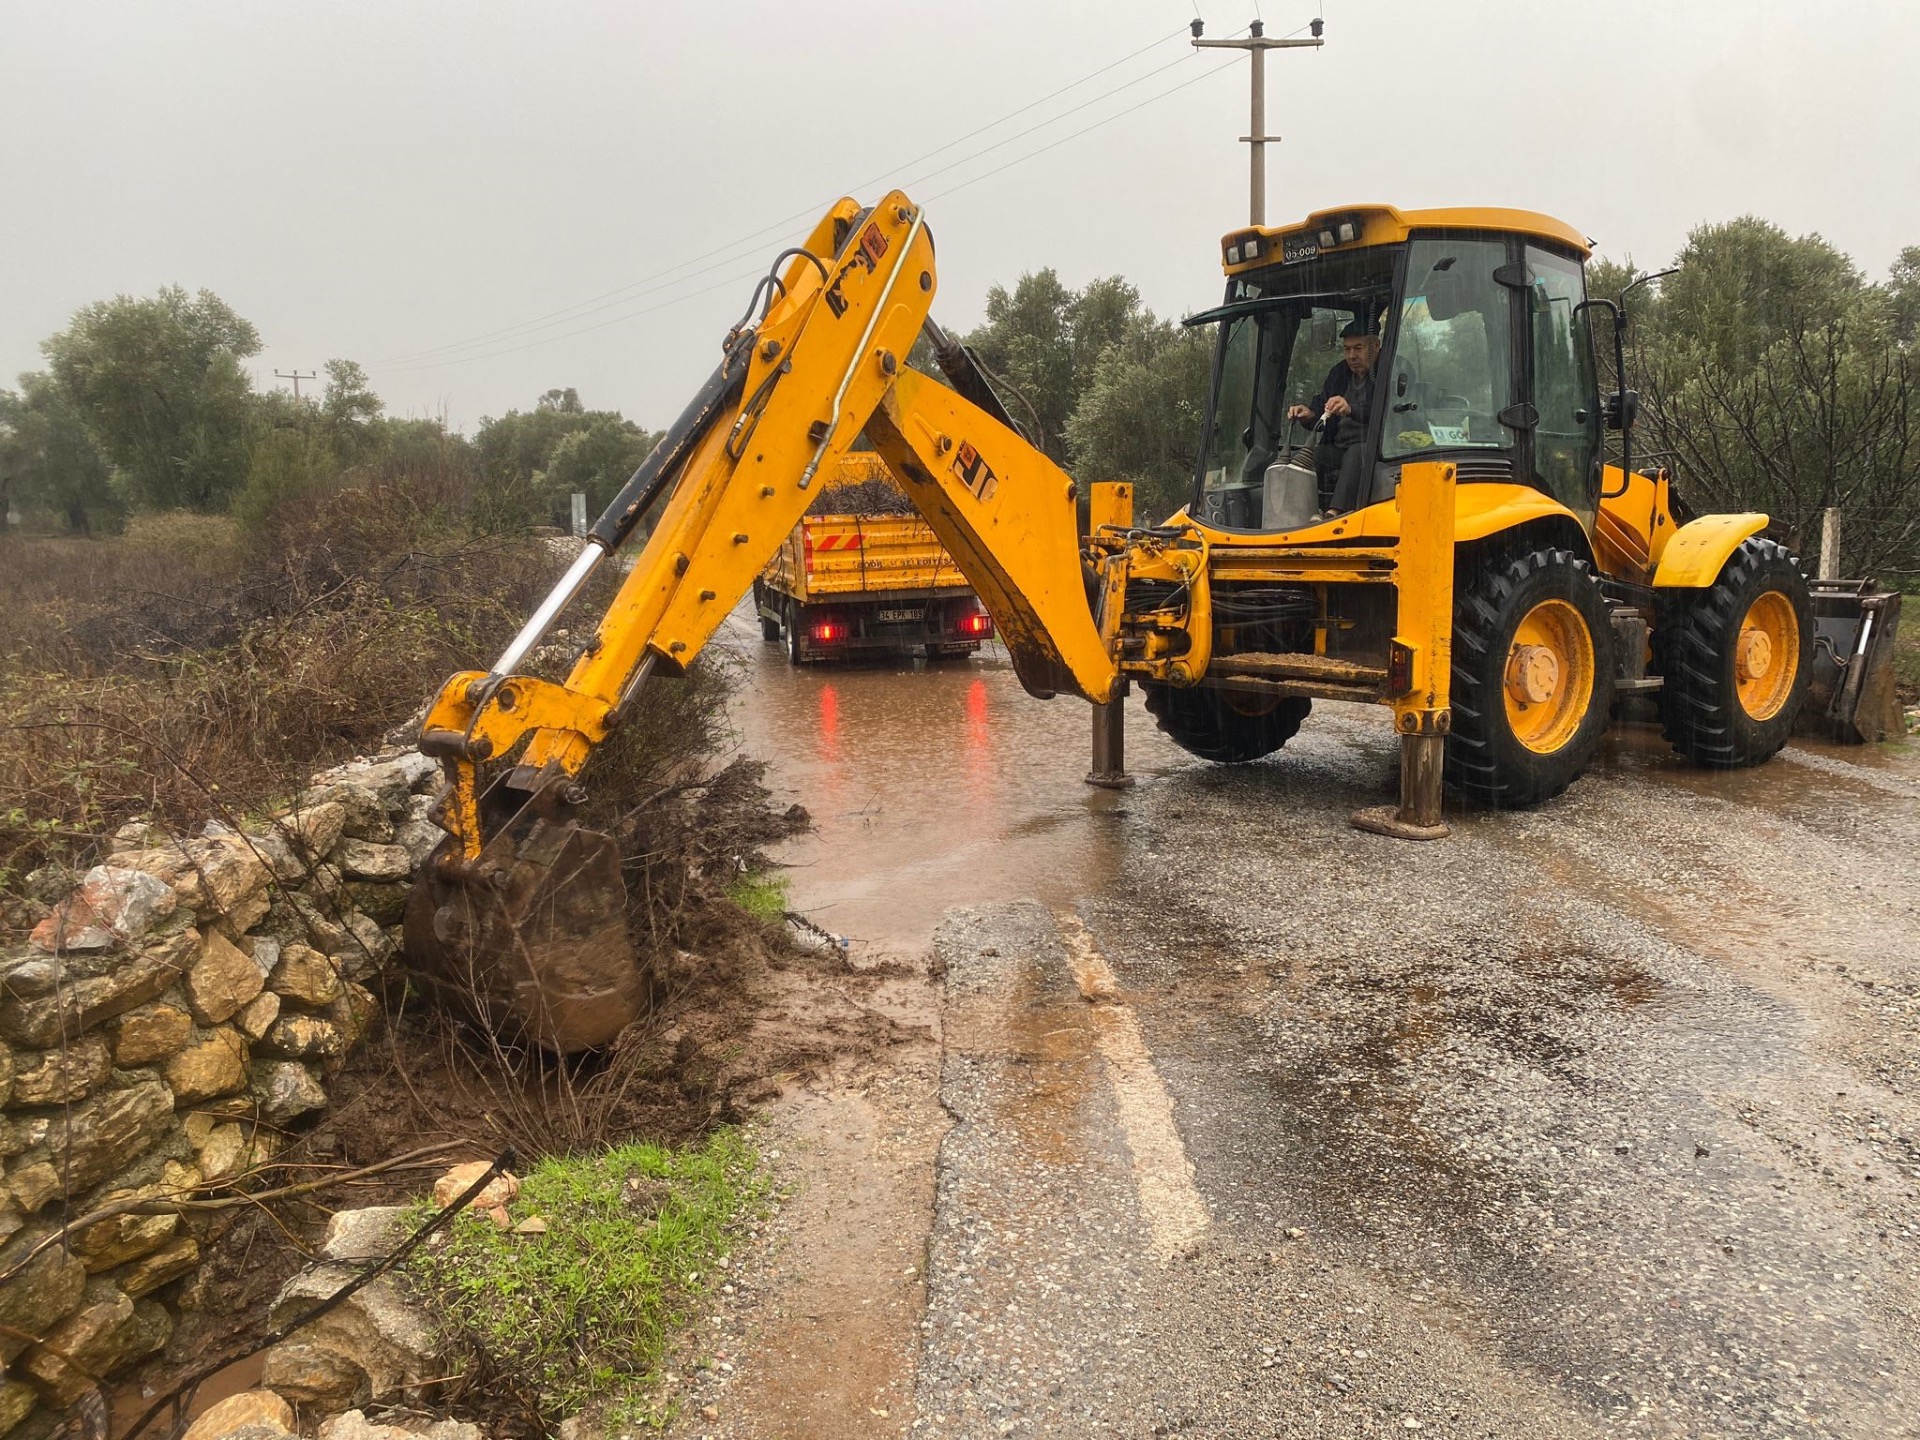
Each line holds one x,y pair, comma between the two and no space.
430,364
628,291
1022,159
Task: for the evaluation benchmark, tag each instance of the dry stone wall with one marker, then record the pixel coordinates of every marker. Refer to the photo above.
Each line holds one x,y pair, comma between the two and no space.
169,1024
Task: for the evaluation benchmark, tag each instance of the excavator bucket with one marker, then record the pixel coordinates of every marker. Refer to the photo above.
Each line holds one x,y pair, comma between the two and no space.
531,937
1851,698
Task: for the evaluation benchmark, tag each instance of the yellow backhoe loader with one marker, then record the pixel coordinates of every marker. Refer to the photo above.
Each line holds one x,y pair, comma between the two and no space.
1455,548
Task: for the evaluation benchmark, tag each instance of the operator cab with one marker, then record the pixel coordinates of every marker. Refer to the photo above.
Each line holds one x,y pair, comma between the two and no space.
1485,359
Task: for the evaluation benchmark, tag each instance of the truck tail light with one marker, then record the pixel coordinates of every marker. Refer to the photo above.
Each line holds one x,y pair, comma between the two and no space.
826,632
978,623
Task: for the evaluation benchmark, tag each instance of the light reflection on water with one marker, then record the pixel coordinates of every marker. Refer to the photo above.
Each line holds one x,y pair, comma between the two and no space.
929,786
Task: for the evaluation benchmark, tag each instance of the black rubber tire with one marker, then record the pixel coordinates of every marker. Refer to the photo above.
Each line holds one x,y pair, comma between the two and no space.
769,630
1205,722
1486,762
1695,647
794,657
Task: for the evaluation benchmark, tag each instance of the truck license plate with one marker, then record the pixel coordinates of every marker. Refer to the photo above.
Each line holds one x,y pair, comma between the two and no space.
901,617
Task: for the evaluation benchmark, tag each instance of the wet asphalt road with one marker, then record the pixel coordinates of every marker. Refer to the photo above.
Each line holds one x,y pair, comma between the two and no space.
1597,1119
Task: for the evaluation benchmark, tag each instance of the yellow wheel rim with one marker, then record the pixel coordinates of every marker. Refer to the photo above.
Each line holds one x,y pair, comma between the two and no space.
1549,676
1766,655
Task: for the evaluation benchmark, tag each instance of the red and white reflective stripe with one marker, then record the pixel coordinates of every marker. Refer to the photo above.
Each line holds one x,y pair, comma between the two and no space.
834,542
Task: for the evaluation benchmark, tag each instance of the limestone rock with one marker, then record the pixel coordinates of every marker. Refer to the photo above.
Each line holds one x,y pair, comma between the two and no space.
223,873
303,1037
83,1004
214,1063
375,1345
72,928
419,837
6,1078
370,1234
32,1184
363,947
258,1015
306,976
364,860
382,903
136,835
150,1272
390,778
106,1332
351,1014
249,1407
54,1077
314,828
17,1399
499,1193
150,1033
28,976
265,951
366,817
108,1243
222,980
98,1137
286,1090
230,1150
111,906
46,1288
353,1425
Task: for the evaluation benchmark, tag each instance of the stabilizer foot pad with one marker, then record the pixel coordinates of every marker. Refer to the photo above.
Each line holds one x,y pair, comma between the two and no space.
1385,820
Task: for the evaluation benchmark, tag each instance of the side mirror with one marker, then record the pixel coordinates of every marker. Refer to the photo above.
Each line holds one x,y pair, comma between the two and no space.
1623,408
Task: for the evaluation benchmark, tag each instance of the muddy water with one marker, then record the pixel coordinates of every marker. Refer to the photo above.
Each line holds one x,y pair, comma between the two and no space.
931,786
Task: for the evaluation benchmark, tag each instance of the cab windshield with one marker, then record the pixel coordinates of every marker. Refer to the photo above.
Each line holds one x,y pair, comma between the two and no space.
1280,347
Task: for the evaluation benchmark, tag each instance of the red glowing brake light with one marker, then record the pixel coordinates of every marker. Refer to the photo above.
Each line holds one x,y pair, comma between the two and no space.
826,632
978,623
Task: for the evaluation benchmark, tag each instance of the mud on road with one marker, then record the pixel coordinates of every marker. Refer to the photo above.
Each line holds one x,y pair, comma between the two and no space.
1598,1119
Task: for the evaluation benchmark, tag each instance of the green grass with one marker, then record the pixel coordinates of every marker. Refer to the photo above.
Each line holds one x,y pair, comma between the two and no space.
546,1325
762,895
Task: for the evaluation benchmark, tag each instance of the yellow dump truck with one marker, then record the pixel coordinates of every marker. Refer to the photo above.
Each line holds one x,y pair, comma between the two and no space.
866,574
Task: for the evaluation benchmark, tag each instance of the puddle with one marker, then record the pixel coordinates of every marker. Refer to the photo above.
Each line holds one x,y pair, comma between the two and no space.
931,786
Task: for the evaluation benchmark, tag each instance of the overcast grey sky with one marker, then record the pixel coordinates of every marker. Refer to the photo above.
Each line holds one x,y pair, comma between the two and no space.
379,180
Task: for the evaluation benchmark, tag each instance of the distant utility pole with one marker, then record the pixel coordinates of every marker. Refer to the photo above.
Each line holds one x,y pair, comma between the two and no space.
1257,44
297,376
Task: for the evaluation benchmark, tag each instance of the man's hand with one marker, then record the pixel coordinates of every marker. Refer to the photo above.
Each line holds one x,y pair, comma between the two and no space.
1299,412
1337,405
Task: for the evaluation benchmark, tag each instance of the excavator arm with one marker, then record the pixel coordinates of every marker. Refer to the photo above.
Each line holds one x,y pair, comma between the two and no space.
521,912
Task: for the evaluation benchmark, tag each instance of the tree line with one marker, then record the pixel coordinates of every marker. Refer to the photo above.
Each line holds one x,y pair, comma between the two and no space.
146,405
1774,376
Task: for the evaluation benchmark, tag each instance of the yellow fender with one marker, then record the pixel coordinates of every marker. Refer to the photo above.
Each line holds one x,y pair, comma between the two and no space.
1699,550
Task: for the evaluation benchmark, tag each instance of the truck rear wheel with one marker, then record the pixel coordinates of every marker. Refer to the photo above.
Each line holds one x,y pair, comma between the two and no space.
794,619
1735,658
1226,726
1532,677
769,630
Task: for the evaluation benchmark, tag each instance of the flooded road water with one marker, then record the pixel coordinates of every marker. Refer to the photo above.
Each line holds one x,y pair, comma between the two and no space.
930,786
1602,1118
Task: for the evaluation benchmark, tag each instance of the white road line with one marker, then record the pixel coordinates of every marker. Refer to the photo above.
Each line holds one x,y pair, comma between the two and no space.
1176,1214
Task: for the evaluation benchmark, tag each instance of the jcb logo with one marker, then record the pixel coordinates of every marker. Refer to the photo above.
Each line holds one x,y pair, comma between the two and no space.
974,472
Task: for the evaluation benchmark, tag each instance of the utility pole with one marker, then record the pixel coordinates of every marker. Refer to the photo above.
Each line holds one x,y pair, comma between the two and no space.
1257,44
297,376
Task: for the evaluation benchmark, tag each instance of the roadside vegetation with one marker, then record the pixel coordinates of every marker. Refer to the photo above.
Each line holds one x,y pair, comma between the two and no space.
574,1306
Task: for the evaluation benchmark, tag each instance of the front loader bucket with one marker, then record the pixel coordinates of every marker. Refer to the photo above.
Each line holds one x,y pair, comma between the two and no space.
1851,697
530,938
